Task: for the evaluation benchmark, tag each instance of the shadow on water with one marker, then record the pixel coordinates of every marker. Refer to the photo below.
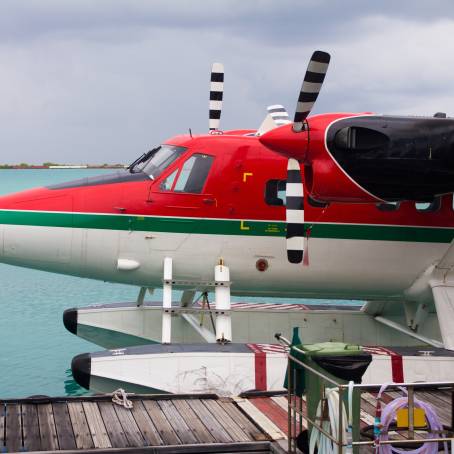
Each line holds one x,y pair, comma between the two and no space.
72,388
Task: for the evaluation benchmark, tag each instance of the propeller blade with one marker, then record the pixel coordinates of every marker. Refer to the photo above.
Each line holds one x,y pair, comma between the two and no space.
278,114
313,80
216,94
294,213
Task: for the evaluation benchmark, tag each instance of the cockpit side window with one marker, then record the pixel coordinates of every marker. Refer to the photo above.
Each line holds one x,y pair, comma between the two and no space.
194,173
166,184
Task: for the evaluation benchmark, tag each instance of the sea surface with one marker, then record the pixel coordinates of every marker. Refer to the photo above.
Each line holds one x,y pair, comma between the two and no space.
35,348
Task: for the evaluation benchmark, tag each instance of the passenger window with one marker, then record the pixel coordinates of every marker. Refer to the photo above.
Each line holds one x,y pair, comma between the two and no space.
194,174
275,192
167,184
428,207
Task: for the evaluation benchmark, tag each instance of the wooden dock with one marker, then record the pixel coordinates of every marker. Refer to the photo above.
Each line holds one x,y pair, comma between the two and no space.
169,424
271,412
255,423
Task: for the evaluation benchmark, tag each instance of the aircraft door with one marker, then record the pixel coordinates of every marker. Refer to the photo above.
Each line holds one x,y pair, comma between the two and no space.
187,190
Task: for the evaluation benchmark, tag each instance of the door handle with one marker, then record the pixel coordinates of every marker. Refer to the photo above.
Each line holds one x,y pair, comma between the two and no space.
121,209
209,201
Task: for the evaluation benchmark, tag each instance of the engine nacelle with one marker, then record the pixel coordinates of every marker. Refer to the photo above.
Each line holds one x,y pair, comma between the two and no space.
367,159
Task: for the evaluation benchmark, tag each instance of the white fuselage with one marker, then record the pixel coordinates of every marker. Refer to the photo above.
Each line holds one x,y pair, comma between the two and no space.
338,268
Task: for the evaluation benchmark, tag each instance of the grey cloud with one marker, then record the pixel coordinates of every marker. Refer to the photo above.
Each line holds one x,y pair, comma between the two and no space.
84,81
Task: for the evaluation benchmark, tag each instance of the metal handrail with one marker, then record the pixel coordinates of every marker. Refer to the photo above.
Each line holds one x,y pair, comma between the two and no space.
338,438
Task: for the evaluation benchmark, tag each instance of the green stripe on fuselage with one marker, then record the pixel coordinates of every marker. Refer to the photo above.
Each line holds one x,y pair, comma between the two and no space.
143,223
225,226
382,232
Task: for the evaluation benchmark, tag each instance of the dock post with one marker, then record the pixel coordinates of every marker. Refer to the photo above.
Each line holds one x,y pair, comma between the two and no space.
167,302
222,296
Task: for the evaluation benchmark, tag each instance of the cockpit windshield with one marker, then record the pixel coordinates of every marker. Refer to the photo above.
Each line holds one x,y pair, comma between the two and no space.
157,160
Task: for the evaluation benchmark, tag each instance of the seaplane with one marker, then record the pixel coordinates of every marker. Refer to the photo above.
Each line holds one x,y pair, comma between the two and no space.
335,206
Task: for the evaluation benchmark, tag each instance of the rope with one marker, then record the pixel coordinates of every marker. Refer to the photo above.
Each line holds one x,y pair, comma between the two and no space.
120,397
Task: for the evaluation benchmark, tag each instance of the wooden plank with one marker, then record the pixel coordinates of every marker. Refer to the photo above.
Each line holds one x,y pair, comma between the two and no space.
440,406
177,422
49,441
242,420
233,429
226,448
444,396
30,428
114,429
96,425
164,428
273,412
80,426
130,428
193,421
63,426
145,424
13,434
211,423
263,421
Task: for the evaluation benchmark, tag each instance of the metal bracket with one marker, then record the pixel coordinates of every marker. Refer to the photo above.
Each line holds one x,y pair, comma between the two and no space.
199,284
415,314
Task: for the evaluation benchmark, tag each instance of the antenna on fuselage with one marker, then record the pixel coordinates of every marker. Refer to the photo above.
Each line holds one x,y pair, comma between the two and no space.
216,95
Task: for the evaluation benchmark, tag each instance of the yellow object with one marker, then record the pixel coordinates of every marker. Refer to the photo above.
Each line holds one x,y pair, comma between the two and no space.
245,175
243,226
419,418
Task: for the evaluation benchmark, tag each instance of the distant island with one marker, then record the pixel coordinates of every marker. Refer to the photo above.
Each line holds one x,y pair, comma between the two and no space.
53,165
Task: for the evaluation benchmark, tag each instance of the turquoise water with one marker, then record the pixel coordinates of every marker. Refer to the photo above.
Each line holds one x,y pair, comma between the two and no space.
35,348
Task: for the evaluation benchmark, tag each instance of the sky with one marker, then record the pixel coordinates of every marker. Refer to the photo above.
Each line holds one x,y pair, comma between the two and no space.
102,81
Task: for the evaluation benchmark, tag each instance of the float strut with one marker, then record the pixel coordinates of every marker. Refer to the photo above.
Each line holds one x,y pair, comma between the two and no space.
222,297
141,296
167,302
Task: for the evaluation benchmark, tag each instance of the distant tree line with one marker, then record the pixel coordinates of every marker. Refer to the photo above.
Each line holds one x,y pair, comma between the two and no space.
46,165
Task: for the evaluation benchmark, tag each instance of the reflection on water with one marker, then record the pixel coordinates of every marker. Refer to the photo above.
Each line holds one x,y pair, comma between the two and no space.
72,388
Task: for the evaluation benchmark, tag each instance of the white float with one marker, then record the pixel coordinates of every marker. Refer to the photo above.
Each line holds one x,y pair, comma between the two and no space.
231,369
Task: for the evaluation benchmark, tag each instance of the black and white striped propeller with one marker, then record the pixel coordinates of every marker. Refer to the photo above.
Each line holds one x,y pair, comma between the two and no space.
313,80
216,95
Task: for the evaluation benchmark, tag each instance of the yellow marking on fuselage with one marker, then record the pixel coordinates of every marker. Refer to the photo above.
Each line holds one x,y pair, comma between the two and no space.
244,227
272,228
245,175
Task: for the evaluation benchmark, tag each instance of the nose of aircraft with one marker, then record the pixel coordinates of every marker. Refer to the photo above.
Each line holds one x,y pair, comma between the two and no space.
37,199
